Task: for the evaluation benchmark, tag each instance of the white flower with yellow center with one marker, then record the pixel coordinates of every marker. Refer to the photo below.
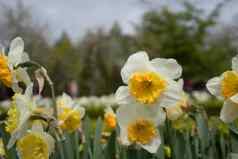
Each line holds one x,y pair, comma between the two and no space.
35,143
138,125
69,113
9,74
18,115
226,87
150,83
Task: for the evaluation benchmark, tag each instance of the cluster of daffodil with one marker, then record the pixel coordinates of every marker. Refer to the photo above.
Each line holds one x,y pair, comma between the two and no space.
225,87
153,89
29,118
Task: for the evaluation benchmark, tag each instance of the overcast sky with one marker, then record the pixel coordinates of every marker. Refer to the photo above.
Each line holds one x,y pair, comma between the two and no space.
76,16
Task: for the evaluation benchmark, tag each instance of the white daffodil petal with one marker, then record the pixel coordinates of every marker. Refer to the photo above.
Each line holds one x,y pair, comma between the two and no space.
22,76
153,146
126,114
15,51
229,111
171,96
25,57
214,86
29,91
167,67
234,98
16,88
235,63
124,137
155,114
17,135
81,111
123,96
138,62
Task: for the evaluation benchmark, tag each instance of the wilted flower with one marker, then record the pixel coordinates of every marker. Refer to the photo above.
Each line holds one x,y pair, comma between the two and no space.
69,113
10,75
225,87
138,125
150,83
35,144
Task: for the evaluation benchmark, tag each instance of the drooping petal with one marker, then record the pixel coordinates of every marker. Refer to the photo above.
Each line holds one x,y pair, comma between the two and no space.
235,63
167,67
123,96
16,51
229,111
214,86
154,145
138,62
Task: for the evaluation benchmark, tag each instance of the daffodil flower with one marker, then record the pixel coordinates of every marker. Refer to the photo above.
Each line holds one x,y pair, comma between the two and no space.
110,118
69,113
150,83
35,143
138,125
9,74
18,115
226,87
175,111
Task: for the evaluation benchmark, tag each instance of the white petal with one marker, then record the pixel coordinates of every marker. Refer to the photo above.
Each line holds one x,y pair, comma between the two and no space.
16,51
124,137
235,63
81,111
153,146
167,67
229,111
22,76
123,96
17,135
214,86
29,91
25,57
50,142
138,62
126,114
234,98
172,95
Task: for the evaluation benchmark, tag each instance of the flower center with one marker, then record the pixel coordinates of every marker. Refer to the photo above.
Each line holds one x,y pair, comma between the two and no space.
229,85
32,146
141,131
5,73
110,120
69,119
146,87
13,116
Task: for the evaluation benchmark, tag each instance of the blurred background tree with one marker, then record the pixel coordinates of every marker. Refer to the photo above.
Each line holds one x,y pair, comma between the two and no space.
196,40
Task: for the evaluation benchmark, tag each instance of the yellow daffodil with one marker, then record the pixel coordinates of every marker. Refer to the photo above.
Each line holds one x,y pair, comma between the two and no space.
35,143
150,83
138,125
110,118
226,87
69,113
9,74
18,115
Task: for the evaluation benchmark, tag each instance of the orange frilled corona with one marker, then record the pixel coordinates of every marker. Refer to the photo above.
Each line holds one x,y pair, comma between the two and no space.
5,73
